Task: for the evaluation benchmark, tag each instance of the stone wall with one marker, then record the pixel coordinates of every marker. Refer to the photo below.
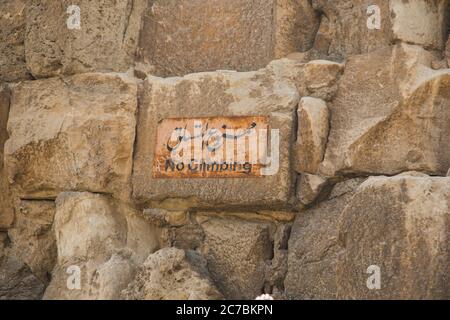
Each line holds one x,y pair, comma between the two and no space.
348,196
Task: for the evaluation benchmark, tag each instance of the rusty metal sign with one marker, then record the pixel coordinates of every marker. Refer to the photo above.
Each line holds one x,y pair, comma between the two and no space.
214,147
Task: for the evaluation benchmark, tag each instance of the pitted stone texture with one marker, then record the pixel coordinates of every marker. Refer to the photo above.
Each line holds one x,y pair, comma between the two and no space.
222,93
419,22
12,35
185,36
400,224
391,114
17,282
106,41
32,238
105,239
296,26
321,78
313,128
315,78
87,226
74,133
172,274
314,248
344,25
238,255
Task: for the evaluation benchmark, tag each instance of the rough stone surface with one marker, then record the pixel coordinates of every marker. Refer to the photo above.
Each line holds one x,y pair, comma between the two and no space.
16,280
404,122
310,187
12,35
222,93
32,237
400,224
313,127
106,41
314,247
238,253
296,26
321,78
172,274
73,133
357,108
185,36
104,238
419,22
344,28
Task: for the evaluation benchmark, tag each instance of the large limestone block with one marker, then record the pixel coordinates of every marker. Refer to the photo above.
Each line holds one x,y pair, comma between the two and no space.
98,280
32,238
217,94
314,246
313,127
186,36
17,282
172,274
296,26
100,241
352,27
238,254
420,22
87,226
391,114
400,225
74,133
12,37
106,39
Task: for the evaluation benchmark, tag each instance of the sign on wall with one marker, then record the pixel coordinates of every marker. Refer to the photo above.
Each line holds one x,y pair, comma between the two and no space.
214,147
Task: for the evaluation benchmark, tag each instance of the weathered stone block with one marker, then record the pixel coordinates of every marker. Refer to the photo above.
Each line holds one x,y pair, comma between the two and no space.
313,127
309,188
389,117
100,241
105,39
17,282
296,26
314,246
218,94
172,274
32,237
186,36
238,255
73,133
356,26
401,225
419,22
12,35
